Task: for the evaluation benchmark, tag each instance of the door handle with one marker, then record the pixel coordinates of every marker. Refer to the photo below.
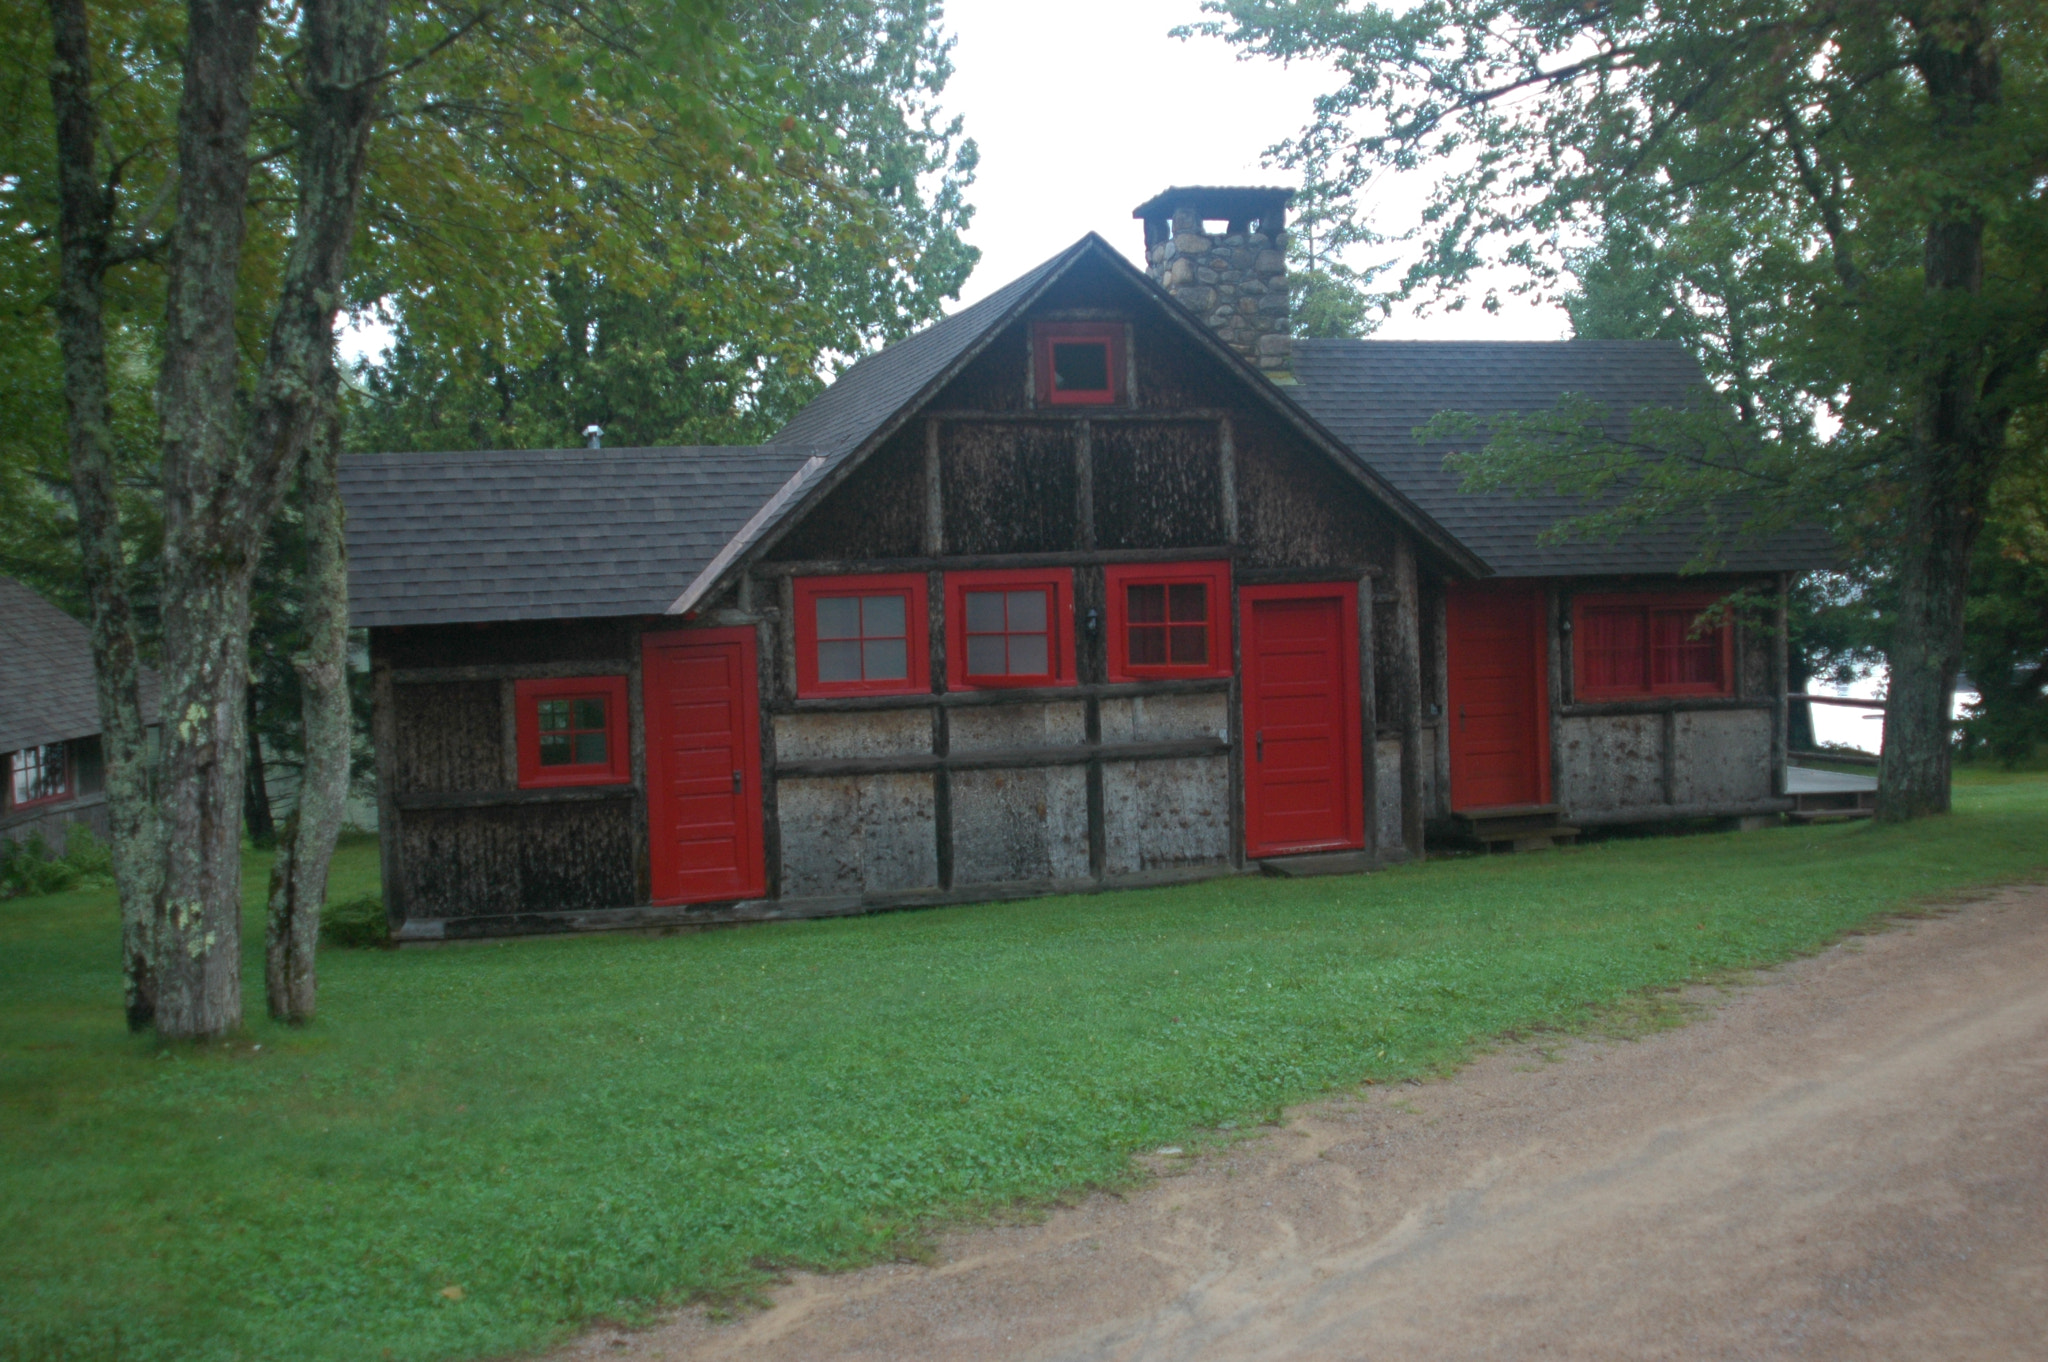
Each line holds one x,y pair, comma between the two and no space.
1259,741
736,782
1461,718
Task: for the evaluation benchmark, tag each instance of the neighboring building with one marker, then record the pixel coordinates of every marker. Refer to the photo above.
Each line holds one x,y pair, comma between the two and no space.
50,721
1101,581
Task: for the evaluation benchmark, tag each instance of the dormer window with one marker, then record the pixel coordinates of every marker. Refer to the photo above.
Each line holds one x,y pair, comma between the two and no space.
1079,363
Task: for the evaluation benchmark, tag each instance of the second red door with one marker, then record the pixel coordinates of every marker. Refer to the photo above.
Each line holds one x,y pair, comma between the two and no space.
1301,722
1500,739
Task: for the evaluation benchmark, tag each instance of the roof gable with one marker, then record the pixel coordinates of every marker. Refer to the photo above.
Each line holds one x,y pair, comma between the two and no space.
883,390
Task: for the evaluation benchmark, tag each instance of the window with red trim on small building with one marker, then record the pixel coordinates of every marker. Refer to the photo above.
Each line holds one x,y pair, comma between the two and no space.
1168,620
861,635
1631,647
572,731
1010,628
1079,363
38,775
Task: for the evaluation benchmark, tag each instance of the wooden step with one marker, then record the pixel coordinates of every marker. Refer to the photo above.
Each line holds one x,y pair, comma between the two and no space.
1319,863
1515,827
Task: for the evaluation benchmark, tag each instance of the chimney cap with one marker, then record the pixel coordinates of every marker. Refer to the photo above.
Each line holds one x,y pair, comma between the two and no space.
593,436
1236,203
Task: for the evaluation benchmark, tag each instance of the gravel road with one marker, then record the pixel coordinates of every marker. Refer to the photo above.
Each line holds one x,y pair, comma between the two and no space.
1846,1159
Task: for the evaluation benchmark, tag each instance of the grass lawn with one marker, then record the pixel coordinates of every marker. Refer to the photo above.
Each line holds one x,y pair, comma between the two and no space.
478,1146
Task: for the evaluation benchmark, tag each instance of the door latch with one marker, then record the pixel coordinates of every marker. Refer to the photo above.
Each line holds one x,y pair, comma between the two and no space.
735,782
1259,742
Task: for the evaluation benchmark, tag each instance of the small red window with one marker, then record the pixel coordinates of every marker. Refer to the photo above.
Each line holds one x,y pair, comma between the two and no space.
1169,619
1010,628
572,732
862,635
38,775
1079,363
1630,647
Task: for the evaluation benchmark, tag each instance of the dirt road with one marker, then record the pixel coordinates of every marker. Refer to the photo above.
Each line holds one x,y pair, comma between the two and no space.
1847,1160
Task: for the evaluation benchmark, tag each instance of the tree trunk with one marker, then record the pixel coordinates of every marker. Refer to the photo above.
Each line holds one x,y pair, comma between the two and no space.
1958,439
210,542
256,786
298,408
298,878
85,225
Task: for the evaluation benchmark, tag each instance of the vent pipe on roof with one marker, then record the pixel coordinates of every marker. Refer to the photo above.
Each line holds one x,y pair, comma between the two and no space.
593,437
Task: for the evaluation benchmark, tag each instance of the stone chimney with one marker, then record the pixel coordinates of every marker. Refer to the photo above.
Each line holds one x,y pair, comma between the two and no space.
1234,278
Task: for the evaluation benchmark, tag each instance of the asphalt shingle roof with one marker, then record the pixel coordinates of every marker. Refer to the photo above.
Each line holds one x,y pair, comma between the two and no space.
47,691
1373,394
545,533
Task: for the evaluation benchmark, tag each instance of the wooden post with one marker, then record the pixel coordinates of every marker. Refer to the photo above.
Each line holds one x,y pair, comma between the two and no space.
1098,813
1557,644
942,727
934,494
1408,693
508,732
1084,486
1234,717
768,672
1226,476
1781,681
1369,725
384,736
636,747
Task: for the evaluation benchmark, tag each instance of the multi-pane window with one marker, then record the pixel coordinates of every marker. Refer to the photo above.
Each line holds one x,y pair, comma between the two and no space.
1010,628
1079,363
1168,620
861,635
1634,646
38,774
572,731
1009,633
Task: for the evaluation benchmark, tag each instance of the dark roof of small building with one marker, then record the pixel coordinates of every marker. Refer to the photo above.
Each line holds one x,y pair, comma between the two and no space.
545,533
47,689
1373,394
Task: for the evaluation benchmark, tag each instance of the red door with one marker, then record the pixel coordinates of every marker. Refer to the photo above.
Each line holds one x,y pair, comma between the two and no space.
1301,721
1500,715
703,766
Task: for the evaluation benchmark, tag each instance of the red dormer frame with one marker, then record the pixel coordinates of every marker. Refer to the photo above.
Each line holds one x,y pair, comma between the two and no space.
1047,337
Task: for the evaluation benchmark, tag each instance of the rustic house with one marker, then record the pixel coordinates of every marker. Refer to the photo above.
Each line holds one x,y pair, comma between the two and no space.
50,721
1102,581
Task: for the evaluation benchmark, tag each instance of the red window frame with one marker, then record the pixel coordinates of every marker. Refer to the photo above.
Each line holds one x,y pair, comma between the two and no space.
63,790
916,617
1046,335
1650,612
1057,583
615,769
1118,580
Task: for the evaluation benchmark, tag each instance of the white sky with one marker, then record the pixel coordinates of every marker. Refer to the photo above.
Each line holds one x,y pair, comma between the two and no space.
1084,109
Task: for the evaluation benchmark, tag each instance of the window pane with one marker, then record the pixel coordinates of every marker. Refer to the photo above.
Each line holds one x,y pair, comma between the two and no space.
839,617
1148,645
1678,657
885,659
881,617
1611,644
590,749
554,749
839,660
1028,655
589,713
985,655
1189,602
1190,645
554,715
1080,366
984,612
1147,604
1027,612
